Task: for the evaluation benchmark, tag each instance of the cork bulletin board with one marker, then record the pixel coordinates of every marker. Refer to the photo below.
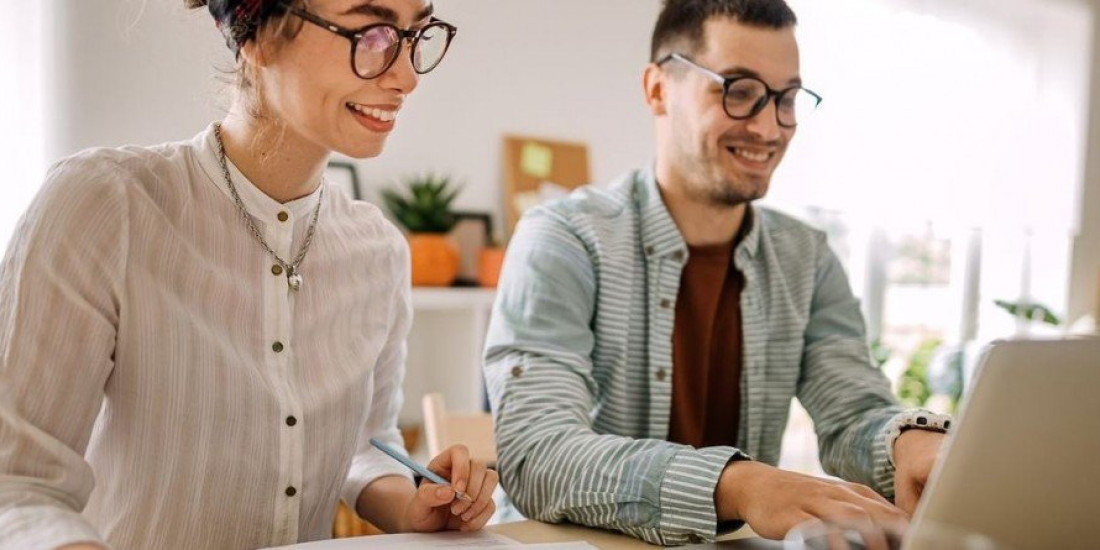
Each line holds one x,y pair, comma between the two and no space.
535,168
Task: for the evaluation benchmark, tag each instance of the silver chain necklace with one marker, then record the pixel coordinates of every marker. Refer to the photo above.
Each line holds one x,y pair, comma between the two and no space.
293,275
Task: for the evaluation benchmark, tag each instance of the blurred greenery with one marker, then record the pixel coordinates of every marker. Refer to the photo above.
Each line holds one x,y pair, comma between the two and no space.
880,353
1030,311
914,389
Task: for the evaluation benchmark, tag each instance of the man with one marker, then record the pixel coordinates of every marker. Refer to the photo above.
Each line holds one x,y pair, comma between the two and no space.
648,338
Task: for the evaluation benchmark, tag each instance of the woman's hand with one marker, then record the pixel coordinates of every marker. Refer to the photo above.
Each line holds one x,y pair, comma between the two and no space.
437,508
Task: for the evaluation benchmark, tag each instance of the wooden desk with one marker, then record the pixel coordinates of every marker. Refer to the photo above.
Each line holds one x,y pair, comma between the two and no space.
534,532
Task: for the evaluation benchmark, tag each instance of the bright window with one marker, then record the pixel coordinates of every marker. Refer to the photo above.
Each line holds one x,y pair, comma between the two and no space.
945,163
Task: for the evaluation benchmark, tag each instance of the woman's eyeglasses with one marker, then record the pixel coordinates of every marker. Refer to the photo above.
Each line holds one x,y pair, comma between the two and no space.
375,48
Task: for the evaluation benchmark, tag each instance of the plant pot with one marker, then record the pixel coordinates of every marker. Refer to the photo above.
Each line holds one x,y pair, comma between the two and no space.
489,263
434,259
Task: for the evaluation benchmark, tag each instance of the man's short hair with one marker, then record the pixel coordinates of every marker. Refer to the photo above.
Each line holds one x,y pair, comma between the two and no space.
679,28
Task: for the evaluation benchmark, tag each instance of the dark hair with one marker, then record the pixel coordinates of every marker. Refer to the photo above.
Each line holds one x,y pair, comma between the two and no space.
681,21
194,4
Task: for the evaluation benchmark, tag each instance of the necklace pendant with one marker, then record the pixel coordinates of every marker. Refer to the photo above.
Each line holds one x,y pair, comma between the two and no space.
294,279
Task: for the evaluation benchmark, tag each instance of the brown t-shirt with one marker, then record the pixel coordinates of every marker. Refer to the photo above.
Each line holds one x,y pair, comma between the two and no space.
706,350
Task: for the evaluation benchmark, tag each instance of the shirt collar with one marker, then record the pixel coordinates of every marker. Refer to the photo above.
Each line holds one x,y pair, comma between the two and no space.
259,204
661,236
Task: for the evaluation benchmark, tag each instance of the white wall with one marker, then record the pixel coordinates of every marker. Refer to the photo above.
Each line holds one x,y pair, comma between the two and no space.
567,69
145,71
130,71
21,64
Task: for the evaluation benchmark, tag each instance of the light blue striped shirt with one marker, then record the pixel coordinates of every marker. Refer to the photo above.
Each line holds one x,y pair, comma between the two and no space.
579,364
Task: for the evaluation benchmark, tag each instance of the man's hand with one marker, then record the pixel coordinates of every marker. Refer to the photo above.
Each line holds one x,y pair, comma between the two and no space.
435,508
915,453
772,501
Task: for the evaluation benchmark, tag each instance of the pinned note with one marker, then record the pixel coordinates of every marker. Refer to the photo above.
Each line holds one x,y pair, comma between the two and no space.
536,160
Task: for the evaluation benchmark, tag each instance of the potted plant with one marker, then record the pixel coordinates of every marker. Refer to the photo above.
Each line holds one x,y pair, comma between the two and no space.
425,212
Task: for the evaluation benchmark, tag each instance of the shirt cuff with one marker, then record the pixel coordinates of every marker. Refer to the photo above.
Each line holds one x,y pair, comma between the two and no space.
44,527
687,494
365,469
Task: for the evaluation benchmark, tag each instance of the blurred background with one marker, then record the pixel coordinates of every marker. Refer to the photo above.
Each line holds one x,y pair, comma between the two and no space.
955,161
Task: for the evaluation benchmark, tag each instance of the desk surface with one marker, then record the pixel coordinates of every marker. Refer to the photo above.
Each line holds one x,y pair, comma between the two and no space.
534,532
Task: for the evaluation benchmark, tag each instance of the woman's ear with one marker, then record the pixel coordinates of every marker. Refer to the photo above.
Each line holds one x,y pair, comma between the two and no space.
653,84
253,54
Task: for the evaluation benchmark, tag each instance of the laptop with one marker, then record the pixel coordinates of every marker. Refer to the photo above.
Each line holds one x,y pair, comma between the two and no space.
1022,463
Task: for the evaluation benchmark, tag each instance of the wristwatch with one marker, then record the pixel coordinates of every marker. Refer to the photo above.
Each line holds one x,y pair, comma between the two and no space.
914,420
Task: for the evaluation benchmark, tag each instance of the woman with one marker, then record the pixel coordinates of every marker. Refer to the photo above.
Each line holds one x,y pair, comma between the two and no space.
208,335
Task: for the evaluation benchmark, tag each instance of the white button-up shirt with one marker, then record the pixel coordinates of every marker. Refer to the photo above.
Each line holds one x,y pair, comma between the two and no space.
162,387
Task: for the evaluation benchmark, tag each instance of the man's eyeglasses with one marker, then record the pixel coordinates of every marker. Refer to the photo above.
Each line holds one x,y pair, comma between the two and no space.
744,97
376,47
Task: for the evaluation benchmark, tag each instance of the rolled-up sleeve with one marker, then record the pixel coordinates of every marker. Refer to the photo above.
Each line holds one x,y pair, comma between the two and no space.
848,397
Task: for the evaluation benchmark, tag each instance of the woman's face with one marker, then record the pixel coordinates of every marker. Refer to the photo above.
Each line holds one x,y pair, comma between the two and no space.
308,83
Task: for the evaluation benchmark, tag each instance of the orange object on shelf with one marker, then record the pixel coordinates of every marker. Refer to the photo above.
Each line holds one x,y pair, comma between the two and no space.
435,259
490,261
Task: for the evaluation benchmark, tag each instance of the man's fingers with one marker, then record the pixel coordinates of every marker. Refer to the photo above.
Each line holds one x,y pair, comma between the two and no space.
880,509
867,492
859,512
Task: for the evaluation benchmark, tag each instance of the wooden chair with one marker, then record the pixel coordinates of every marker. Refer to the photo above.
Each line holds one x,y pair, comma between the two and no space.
443,429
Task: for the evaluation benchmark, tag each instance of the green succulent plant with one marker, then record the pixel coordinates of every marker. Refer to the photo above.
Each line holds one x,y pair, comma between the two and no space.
425,206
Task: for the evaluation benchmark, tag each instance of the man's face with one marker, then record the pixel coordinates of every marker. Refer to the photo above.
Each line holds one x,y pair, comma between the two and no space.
720,160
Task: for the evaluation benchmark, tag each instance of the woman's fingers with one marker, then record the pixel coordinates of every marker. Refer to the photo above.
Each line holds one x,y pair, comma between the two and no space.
484,498
473,488
453,464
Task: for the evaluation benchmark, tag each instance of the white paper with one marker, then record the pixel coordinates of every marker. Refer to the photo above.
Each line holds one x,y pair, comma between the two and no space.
559,546
418,541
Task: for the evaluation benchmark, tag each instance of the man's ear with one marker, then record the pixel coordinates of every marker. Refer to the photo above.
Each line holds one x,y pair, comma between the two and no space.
653,84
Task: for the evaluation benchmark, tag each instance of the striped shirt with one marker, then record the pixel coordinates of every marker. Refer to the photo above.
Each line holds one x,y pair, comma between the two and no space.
161,387
578,362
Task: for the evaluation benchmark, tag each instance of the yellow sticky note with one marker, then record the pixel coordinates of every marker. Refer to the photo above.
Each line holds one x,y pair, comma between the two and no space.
536,160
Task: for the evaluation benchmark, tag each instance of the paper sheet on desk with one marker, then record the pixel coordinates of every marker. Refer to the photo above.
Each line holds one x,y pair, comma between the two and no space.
453,539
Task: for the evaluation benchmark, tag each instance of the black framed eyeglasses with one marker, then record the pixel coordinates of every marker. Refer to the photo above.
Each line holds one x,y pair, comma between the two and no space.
375,48
744,97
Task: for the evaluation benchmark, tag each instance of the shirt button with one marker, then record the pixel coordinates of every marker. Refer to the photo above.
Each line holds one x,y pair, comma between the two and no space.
516,372
650,250
661,375
678,256
291,491
283,216
276,269
290,421
277,347
666,303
